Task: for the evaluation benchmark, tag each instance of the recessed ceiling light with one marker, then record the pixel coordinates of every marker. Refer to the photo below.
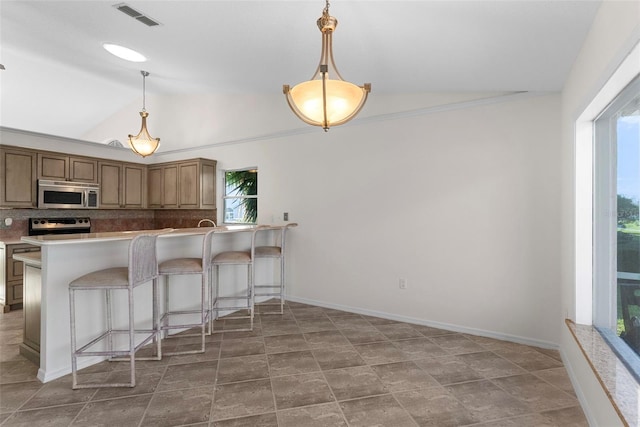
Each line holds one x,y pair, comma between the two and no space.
124,52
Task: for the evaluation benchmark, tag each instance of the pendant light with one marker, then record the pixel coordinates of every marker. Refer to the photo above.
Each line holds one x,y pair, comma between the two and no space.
143,144
327,99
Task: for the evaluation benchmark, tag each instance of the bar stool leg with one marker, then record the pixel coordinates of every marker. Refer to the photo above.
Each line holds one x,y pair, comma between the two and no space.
74,362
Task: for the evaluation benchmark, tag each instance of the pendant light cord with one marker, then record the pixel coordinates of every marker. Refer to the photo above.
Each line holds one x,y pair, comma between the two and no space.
144,78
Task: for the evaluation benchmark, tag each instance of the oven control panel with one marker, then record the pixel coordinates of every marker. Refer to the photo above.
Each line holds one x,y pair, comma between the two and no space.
39,226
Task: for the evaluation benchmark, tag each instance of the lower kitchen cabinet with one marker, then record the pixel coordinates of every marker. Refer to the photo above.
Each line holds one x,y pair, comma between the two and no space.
11,270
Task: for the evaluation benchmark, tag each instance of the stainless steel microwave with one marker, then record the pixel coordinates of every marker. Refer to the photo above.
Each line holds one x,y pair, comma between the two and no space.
68,195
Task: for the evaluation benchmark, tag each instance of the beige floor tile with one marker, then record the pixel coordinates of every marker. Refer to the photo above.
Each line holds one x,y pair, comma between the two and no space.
234,369
263,420
324,367
325,339
242,399
434,407
189,376
58,416
285,343
13,396
113,412
293,391
489,364
380,352
337,357
352,383
324,415
447,370
539,395
291,363
376,411
179,407
486,401
402,376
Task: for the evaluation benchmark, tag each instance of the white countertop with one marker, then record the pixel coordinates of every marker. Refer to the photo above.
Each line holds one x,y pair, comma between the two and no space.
29,258
58,239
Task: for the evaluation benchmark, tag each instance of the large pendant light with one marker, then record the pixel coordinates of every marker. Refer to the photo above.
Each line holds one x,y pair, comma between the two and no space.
143,144
327,99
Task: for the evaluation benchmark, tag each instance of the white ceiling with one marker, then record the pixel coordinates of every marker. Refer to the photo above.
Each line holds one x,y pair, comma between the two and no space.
59,80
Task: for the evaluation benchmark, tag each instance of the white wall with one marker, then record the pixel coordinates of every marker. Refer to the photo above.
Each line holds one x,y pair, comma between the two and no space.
464,204
461,200
616,29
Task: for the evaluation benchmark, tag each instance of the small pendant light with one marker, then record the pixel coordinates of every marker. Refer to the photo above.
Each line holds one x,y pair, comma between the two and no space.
143,143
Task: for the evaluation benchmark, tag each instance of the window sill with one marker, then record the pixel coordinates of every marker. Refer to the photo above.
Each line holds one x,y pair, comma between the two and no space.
619,384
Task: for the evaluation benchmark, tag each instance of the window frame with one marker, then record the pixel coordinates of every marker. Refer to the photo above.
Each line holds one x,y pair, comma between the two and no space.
605,218
227,197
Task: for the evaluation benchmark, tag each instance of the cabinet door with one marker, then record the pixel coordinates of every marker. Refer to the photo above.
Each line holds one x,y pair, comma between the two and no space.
208,185
170,187
32,308
83,169
189,189
154,187
110,175
52,166
17,178
15,289
3,277
134,186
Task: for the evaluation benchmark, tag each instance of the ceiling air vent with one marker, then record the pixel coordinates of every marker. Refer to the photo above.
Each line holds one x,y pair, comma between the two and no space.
124,8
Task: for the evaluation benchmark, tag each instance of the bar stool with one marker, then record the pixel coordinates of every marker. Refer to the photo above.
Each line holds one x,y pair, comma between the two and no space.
230,258
277,251
142,268
188,266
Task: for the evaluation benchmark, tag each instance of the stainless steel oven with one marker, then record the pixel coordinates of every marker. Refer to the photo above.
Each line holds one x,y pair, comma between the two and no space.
44,226
68,195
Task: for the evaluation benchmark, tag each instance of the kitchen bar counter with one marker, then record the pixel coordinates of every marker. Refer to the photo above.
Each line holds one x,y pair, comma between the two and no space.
61,239
66,257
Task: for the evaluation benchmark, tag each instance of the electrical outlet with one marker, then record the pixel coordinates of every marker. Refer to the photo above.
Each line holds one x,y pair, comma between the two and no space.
285,216
402,283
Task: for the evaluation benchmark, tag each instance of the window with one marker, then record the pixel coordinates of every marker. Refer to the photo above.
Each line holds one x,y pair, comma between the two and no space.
616,308
241,196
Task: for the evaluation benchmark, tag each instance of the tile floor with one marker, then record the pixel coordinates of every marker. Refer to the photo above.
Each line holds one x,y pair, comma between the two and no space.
311,367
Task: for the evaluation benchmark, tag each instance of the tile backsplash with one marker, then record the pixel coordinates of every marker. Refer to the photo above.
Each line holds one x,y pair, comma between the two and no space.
104,220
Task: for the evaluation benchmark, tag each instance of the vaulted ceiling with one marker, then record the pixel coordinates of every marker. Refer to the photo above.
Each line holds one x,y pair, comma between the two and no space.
59,80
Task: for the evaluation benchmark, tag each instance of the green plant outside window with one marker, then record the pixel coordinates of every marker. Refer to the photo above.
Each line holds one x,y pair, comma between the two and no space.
241,196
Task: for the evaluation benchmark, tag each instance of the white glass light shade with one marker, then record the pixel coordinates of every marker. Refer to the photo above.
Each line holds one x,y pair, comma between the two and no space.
342,99
143,144
327,99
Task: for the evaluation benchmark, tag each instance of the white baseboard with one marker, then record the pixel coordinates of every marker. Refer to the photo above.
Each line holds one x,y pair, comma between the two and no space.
423,322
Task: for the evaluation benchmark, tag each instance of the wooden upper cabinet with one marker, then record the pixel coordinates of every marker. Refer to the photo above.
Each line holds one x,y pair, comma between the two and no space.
163,186
188,184
189,194
110,178
154,188
135,185
83,169
59,167
170,187
122,185
17,178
